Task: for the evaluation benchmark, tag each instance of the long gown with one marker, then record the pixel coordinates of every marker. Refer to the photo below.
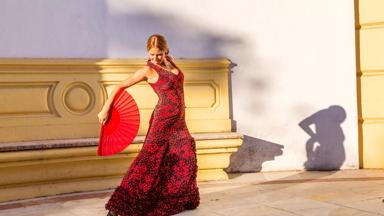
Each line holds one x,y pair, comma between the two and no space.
162,178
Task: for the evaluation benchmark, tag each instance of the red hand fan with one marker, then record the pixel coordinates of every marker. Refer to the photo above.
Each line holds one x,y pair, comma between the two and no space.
122,125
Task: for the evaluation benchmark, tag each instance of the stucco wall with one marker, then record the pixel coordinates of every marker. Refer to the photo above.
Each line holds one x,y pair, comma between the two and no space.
293,60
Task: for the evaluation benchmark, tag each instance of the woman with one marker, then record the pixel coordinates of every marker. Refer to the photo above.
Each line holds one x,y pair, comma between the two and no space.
162,178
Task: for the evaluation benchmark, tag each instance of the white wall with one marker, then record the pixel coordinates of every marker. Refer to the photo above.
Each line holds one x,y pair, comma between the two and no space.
294,58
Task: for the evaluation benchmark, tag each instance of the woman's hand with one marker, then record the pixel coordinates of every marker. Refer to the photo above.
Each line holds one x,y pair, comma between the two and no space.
167,62
103,116
170,57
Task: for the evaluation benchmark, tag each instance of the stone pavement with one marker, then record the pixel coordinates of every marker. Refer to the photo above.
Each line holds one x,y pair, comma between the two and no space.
349,192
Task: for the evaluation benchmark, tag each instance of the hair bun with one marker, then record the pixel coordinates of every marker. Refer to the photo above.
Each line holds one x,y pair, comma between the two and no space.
157,41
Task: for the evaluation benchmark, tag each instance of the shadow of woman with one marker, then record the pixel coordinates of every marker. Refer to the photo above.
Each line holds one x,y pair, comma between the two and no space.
325,149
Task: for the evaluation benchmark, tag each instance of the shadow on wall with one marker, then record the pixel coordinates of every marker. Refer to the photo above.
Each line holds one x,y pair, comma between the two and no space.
252,154
325,149
107,29
186,39
230,95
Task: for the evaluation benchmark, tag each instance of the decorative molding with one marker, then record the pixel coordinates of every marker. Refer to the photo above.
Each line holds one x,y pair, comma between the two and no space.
377,72
78,98
103,66
79,88
27,106
369,25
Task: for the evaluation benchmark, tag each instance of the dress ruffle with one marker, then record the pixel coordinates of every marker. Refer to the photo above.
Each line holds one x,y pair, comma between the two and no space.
122,203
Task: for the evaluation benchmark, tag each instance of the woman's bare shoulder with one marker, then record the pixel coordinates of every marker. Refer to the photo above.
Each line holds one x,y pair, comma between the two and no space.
148,71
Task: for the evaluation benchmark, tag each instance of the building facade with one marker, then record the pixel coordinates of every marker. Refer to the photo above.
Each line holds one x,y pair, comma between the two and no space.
271,85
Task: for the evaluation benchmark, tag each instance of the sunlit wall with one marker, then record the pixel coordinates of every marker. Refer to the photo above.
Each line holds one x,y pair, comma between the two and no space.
294,62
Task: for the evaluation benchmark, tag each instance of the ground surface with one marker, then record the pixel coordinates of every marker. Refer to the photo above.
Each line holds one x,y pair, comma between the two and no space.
353,192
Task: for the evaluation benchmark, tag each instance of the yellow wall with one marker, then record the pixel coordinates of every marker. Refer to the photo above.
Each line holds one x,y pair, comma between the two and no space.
59,99
370,74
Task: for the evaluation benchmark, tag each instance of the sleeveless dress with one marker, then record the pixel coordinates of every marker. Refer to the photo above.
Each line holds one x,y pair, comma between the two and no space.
162,178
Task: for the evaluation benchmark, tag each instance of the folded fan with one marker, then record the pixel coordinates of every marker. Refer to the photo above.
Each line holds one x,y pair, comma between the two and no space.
122,125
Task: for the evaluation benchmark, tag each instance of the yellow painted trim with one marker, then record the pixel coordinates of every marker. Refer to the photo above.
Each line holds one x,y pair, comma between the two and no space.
358,83
369,25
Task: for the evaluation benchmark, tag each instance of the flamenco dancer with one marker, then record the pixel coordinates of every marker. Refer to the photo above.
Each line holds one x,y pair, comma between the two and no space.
162,178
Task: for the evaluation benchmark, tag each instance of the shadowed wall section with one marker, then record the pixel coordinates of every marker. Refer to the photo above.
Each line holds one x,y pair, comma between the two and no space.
252,154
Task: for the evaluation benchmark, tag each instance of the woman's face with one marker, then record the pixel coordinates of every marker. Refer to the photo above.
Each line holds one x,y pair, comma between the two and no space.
156,56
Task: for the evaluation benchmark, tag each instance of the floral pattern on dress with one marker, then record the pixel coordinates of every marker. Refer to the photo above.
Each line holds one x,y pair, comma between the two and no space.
162,178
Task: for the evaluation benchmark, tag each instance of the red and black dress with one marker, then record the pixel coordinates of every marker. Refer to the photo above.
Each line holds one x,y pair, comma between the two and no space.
162,178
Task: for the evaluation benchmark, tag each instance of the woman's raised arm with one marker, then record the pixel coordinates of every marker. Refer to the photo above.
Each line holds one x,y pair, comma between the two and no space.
138,76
